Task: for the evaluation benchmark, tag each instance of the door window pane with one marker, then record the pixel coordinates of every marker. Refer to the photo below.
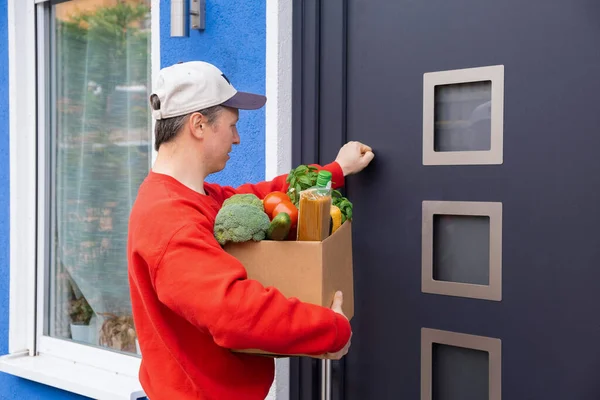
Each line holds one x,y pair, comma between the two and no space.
461,248
459,373
463,116
100,63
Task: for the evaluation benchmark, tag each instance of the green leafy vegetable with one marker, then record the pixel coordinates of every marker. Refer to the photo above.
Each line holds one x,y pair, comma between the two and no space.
343,204
299,179
305,177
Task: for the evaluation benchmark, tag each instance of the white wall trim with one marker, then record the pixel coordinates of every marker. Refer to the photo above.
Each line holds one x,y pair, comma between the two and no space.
155,54
23,165
278,126
278,114
278,133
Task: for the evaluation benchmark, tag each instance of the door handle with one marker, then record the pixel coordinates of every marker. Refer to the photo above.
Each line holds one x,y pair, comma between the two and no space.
325,379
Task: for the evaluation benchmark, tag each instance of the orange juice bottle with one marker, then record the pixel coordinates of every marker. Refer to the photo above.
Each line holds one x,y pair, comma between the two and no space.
314,210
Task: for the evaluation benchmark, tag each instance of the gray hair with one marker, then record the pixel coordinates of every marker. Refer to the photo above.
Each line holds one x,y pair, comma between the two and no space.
168,128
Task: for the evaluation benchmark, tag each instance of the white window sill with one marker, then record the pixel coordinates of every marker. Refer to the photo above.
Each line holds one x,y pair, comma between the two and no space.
74,377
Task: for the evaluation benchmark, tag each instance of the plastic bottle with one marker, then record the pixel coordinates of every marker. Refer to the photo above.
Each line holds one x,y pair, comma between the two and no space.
314,210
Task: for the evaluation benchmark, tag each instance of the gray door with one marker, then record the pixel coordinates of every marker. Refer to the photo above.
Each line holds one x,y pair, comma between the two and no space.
491,183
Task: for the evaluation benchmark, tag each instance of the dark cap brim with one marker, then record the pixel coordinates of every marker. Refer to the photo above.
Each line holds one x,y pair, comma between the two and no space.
246,101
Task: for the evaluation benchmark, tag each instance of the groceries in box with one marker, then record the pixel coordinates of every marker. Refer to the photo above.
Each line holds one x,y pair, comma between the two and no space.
299,242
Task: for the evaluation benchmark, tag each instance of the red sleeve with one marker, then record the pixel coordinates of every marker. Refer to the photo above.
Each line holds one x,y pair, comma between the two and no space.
279,183
205,285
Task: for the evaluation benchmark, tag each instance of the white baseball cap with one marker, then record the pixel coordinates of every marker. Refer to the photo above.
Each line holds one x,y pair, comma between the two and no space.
192,86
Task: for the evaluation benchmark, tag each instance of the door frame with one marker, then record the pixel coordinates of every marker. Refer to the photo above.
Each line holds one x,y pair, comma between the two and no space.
319,54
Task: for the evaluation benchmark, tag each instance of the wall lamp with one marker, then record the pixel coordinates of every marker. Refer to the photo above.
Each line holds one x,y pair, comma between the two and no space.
196,12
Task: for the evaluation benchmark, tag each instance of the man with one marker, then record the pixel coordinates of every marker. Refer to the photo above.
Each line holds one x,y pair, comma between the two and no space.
192,302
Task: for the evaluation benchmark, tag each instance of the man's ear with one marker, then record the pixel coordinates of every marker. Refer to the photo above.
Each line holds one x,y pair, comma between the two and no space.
197,125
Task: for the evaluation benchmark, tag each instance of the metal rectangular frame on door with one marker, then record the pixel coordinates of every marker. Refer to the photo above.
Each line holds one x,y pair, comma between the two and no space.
493,210
495,74
492,346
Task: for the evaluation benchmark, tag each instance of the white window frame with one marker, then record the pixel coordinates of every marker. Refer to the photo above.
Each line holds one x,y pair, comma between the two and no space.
278,126
73,367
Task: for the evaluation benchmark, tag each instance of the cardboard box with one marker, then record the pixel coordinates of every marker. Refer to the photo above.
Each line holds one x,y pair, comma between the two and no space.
309,271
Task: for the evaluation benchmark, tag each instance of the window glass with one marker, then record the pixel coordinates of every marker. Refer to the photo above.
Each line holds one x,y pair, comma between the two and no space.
459,373
101,149
461,249
463,117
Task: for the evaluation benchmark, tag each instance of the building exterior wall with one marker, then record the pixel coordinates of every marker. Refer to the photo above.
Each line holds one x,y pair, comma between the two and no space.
234,40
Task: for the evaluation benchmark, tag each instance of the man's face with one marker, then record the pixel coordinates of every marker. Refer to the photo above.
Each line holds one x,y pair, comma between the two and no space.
219,139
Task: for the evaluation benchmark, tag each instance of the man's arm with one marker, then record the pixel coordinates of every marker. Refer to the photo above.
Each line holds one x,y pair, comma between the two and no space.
279,183
208,287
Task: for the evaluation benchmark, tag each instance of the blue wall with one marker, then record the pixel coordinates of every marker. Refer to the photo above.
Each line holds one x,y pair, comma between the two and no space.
234,40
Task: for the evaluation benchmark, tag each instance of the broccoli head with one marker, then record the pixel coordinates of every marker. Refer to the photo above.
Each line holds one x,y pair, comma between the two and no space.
240,223
246,198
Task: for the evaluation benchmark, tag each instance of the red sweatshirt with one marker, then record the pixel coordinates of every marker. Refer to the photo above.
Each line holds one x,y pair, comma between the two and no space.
192,301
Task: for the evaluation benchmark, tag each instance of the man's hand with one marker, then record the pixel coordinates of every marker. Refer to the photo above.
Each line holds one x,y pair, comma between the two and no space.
337,307
353,157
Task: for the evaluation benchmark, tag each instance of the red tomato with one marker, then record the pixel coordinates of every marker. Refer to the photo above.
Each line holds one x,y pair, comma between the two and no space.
272,200
289,208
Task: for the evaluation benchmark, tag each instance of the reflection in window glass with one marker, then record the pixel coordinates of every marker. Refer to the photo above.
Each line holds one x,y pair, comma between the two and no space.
462,119
101,148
